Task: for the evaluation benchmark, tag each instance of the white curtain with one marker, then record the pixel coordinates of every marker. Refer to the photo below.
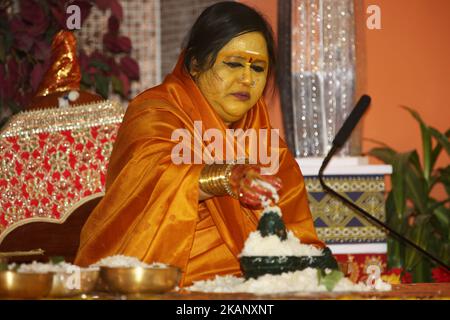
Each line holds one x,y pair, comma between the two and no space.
323,72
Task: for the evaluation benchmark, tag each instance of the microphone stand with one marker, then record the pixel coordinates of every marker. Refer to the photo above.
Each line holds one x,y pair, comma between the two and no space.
367,215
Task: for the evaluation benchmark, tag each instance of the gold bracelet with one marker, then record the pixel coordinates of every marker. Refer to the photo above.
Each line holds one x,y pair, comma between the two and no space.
215,179
227,183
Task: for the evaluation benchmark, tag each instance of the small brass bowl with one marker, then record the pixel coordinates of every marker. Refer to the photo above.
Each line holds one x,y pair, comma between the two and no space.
15,285
67,284
140,280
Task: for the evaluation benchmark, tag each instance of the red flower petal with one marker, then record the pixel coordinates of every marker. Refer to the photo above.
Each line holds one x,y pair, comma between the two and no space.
125,83
124,43
113,25
439,274
36,76
116,9
130,67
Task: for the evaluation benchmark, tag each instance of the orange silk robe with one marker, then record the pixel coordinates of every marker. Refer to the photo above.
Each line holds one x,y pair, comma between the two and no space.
151,209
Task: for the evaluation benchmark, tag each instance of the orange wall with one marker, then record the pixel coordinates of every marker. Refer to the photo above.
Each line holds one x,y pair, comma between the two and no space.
407,62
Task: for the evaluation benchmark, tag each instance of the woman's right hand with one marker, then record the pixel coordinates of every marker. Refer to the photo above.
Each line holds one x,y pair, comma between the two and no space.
251,186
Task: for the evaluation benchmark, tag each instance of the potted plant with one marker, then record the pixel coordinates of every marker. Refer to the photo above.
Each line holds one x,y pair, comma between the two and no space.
411,208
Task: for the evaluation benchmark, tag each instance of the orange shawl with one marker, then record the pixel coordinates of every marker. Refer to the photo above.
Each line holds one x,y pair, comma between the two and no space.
151,209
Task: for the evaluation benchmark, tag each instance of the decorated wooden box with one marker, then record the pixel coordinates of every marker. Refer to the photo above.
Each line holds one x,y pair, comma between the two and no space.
357,244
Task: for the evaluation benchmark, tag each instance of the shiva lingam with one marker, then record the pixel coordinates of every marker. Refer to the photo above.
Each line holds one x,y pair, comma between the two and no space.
272,224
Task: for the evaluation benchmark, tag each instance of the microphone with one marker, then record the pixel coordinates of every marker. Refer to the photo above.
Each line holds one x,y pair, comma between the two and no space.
339,140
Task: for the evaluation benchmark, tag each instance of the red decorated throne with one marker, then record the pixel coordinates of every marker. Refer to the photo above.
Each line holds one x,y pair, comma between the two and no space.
54,158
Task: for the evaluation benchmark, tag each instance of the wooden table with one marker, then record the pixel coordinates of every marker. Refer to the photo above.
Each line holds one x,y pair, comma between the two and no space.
419,291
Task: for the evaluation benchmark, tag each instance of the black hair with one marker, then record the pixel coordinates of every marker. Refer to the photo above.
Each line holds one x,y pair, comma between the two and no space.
217,25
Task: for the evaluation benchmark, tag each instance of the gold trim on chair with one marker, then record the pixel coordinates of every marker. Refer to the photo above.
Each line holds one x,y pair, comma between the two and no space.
50,220
57,119
35,252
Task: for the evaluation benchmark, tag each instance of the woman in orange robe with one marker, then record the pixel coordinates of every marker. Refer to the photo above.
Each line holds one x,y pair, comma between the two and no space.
153,209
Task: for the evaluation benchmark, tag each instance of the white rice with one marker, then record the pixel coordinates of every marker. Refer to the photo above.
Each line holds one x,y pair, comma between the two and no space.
120,261
268,186
268,208
299,281
257,245
39,267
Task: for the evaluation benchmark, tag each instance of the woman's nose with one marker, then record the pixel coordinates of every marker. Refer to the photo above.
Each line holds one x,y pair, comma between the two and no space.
246,77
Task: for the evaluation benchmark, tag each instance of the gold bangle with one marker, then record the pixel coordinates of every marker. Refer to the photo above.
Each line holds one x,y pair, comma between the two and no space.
215,179
227,179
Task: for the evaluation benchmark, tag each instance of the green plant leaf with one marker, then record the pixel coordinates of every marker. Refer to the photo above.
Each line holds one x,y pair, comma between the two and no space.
391,213
422,272
412,183
422,219
440,234
417,167
395,258
433,205
102,85
435,155
442,139
437,150
56,259
416,191
412,256
426,143
400,164
117,85
444,252
384,154
442,214
444,178
86,79
99,65
329,280
381,143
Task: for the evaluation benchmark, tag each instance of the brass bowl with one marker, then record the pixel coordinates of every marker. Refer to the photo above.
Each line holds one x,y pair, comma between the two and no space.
68,284
15,285
140,280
